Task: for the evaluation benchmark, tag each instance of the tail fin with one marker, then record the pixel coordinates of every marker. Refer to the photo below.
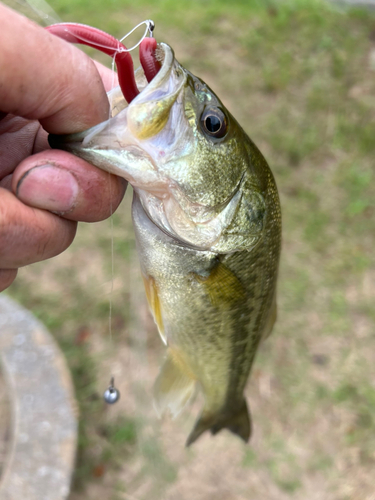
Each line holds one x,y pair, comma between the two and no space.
239,423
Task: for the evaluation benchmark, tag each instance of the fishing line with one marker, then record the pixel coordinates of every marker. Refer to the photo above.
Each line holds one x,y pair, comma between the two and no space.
112,263
111,394
111,94
111,211
43,10
150,26
97,44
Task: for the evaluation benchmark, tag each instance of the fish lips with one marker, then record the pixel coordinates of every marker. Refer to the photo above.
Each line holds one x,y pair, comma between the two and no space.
119,145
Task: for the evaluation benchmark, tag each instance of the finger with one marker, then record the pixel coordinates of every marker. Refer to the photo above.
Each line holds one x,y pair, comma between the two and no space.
29,235
59,182
47,78
7,276
109,77
6,182
17,138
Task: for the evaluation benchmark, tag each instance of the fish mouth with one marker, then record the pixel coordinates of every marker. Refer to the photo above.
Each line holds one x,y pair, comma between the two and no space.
132,142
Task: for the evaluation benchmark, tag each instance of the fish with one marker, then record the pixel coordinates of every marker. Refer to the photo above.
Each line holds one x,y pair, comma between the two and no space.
207,222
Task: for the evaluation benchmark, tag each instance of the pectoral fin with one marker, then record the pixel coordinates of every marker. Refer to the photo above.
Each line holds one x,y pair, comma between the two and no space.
222,286
175,385
239,423
154,303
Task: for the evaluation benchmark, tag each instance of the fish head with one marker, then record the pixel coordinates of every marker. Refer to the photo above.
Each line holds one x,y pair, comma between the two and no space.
199,177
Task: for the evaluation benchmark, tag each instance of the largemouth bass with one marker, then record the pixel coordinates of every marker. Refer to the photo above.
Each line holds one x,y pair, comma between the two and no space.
207,223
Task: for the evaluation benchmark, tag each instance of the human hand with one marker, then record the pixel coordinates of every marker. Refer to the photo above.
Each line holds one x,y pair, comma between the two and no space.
46,86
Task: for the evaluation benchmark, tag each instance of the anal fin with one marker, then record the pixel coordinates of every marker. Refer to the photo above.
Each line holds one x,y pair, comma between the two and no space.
175,384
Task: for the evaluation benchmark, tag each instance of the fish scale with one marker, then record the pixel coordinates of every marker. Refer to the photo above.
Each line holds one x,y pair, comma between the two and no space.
207,221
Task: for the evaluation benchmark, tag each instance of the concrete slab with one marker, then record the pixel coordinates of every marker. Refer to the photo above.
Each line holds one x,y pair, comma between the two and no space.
40,460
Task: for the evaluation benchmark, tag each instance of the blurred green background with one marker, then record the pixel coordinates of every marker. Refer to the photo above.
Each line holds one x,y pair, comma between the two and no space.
300,78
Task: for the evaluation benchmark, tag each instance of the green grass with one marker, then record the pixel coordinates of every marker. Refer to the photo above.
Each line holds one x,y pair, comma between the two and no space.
297,76
156,464
249,458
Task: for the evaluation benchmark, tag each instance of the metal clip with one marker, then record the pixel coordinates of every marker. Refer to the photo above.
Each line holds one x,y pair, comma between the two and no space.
150,26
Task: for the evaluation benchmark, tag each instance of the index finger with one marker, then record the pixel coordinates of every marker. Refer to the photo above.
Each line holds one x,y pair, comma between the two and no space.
43,77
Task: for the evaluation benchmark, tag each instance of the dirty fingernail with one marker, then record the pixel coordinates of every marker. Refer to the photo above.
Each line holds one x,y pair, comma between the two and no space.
48,187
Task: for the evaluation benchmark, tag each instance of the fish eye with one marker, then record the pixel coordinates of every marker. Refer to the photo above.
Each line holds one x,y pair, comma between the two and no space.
214,122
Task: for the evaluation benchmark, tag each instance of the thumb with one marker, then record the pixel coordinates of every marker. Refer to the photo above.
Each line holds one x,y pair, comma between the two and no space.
61,183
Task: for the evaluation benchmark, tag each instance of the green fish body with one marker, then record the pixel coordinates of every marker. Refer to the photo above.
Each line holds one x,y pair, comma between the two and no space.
207,221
